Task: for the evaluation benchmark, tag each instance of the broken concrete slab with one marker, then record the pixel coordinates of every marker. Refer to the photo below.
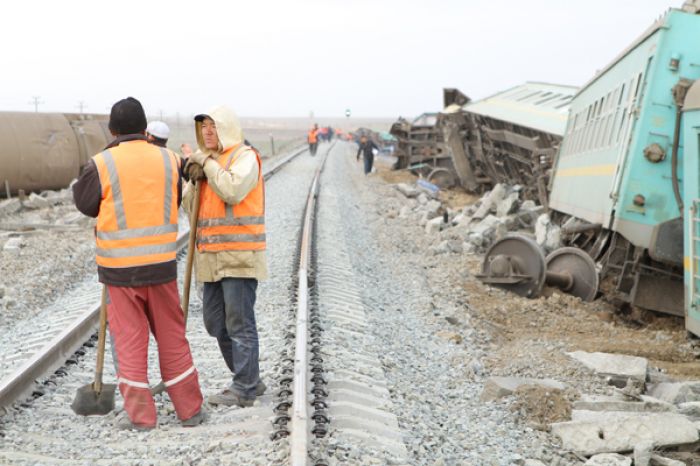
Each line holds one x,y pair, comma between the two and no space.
675,392
547,234
614,403
13,245
608,459
691,409
10,206
407,190
624,432
508,205
617,366
642,453
36,202
658,460
498,387
489,201
434,225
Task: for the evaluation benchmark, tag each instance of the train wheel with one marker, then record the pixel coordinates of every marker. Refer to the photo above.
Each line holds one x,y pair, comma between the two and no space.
515,263
578,266
442,177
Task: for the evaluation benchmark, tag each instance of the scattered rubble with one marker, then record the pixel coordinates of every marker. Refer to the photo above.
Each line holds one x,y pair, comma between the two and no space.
622,433
676,392
618,367
498,387
608,459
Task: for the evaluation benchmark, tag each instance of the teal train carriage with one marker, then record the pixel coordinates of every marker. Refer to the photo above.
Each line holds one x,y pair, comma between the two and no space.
626,182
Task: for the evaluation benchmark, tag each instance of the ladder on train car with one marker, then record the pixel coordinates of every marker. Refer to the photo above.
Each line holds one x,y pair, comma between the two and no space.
694,258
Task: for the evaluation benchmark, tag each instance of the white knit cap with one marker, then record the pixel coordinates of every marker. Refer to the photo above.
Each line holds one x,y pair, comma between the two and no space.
158,129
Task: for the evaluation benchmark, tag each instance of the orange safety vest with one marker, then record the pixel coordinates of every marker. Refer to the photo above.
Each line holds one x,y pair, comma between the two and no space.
225,227
312,136
137,223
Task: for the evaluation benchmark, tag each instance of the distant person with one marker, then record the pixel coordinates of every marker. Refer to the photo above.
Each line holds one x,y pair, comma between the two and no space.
330,134
158,132
312,139
133,190
367,148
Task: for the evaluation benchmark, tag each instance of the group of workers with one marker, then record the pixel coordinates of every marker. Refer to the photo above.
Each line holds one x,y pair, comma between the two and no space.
134,188
366,146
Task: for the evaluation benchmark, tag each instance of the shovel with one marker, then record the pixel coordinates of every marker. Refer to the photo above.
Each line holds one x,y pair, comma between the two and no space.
188,268
97,398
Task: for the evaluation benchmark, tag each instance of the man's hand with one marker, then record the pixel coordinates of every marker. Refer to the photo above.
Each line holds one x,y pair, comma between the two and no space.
186,149
194,171
199,157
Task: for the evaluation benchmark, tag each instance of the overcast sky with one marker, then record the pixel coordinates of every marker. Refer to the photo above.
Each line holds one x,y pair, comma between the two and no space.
380,58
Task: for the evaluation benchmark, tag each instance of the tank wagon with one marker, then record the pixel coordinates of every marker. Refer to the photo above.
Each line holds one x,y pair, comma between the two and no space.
41,151
509,137
626,183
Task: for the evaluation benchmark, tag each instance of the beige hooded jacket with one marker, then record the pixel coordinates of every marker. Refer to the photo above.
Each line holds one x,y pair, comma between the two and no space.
231,185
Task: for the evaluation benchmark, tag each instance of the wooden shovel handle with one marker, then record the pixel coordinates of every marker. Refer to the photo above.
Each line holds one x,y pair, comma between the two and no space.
190,250
101,337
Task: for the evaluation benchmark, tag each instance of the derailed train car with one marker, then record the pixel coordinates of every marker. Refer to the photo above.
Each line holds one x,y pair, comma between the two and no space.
626,183
41,151
510,137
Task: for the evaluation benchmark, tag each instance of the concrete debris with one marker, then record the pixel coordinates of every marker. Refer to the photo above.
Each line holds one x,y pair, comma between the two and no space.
612,403
408,190
690,409
13,245
508,205
405,211
10,206
533,462
433,226
422,198
498,387
34,201
675,392
642,453
608,459
616,434
547,234
490,201
658,460
433,209
615,366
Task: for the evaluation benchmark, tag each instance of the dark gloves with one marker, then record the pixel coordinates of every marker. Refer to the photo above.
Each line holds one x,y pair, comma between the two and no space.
194,171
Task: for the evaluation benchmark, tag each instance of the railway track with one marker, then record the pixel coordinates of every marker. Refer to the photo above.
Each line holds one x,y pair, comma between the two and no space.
72,323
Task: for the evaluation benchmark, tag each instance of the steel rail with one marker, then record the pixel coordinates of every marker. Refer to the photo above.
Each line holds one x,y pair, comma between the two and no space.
59,349
300,427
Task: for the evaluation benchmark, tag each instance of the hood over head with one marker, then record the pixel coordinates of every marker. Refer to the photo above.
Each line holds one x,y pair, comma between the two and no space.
228,127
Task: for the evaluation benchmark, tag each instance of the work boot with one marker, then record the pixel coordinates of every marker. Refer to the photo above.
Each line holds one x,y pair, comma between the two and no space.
260,388
229,398
195,420
122,422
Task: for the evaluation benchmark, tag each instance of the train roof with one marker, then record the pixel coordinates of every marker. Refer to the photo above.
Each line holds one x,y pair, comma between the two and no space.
540,106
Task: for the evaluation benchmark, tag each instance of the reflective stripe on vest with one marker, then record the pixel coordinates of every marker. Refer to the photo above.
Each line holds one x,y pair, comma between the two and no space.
223,227
150,187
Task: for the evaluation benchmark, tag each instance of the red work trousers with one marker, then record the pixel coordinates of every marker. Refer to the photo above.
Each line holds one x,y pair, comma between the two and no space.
131,313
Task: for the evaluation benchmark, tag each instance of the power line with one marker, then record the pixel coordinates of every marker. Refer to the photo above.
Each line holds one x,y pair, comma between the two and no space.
81,105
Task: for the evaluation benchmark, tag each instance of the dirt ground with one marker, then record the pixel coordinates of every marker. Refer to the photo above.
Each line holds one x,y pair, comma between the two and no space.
547,327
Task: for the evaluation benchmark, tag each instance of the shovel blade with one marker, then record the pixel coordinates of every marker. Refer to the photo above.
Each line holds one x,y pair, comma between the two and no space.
89,402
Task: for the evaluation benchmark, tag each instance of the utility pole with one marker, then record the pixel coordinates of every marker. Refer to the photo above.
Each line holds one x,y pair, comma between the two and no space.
36,100
161,115
81,105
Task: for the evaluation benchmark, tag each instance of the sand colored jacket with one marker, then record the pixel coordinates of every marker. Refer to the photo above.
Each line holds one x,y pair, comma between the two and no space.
232,186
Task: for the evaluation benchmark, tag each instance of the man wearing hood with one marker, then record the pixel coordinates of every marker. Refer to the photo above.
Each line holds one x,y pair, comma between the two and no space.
230,257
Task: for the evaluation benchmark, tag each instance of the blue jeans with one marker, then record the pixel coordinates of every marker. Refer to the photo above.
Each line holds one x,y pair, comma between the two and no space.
229,315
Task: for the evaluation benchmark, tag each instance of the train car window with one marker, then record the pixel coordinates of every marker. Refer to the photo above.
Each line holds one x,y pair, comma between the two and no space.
528,96
639,81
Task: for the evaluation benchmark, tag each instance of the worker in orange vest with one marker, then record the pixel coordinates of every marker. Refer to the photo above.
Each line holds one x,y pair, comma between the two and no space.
134,190
230,257
312,139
